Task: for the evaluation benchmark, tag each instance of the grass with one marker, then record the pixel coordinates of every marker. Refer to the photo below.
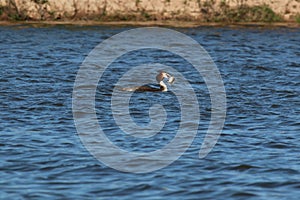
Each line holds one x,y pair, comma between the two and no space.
262,13
297,18
40,1
265,14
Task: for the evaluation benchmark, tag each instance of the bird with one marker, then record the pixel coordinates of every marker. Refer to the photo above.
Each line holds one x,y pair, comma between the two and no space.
160,80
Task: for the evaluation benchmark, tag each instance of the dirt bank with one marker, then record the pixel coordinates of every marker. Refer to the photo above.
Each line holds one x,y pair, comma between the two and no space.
230,11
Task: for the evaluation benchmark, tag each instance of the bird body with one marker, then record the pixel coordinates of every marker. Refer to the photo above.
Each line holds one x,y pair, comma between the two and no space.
160,80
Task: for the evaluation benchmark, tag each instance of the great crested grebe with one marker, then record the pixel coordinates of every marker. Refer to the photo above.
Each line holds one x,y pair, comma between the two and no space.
160,80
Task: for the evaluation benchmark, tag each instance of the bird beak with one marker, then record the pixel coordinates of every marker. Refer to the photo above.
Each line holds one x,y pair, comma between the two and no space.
171,79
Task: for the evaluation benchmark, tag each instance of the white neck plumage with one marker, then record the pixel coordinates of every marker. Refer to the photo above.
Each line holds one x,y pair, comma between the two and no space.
163,86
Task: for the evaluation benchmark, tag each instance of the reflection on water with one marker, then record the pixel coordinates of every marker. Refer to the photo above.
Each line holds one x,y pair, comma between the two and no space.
256,156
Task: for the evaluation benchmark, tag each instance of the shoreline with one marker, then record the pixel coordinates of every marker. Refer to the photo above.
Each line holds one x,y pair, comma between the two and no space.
166,23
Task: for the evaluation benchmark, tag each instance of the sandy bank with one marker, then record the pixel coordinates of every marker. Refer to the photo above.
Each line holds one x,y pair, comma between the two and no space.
177,24
151,11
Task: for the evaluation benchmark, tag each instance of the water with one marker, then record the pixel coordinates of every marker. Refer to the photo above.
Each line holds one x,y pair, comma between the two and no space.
257,155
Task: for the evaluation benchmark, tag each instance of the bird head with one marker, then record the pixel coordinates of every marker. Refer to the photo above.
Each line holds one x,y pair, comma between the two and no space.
161,75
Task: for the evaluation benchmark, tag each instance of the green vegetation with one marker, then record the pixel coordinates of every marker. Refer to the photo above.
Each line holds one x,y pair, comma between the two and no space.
40,1
14,17
243,13
297,18
145,15
137,2
264,13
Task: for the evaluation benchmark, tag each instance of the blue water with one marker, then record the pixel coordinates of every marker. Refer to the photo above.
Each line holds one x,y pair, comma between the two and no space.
256,157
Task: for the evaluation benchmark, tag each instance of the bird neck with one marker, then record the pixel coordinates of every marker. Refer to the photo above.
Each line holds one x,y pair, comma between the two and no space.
163,86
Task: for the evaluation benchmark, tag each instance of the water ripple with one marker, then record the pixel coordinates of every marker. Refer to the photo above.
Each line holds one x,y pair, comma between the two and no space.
256,156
